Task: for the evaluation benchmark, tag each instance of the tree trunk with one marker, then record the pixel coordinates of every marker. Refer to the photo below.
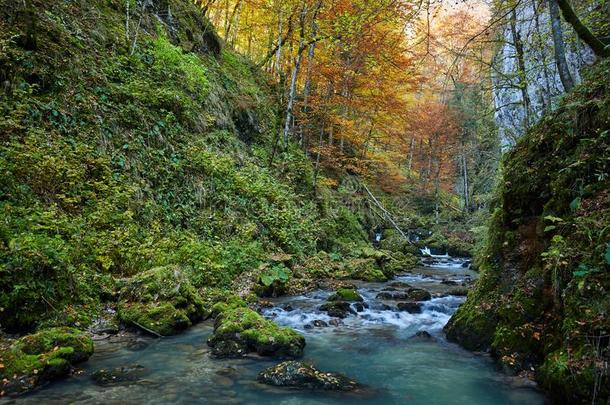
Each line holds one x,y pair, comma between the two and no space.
310,59
546,94
466,185
559,45
295,75
30,42
317,165
521,67
601,49
412,145
278,52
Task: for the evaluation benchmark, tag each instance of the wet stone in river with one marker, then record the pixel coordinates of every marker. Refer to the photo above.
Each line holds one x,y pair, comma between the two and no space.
294,374
410,307
119,375
337,309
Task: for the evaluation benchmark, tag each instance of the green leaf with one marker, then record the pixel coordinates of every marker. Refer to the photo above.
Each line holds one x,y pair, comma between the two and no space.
608,253
267,279
575,204
553,219
549,228
276,273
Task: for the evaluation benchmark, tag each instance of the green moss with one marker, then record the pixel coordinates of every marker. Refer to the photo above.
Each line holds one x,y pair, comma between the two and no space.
162,318
365,269
77,343
345,294
249,331
43,356
162,300
228,302
400,262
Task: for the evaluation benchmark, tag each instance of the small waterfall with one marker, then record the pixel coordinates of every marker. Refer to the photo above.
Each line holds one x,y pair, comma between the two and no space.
443,261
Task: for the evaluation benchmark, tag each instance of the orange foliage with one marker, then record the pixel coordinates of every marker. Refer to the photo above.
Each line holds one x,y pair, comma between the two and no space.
363,101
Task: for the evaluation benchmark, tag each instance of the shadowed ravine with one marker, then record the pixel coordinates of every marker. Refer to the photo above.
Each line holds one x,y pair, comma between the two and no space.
376,347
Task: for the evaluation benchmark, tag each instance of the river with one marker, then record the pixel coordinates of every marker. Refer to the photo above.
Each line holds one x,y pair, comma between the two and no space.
376,347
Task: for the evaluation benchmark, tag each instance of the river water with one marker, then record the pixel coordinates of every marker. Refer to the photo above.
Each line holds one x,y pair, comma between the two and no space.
376,347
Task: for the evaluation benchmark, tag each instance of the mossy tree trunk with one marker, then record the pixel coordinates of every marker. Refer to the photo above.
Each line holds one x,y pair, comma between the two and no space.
601,49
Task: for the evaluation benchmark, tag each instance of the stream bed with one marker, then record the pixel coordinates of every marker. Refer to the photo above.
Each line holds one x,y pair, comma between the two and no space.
377,347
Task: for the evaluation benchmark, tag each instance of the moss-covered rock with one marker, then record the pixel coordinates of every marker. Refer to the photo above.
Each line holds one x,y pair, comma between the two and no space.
346,294
240,330
161,300
365,270
400,263
41,357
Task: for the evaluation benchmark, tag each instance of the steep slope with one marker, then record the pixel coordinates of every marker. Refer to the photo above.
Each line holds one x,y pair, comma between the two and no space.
543,300
129,141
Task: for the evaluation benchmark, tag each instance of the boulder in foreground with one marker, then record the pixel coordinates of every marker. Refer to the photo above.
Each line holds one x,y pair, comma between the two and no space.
298,375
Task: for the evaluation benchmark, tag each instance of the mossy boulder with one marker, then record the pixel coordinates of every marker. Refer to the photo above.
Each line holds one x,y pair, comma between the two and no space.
399,263
365,270
346,294
41,357
298,375
240,330
161,300
380,256
229,302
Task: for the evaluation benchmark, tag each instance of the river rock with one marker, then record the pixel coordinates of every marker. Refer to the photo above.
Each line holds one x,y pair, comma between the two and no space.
359,307
318,323
410,307
388,295
119,375
400,284
294,374
413,294
423,336
337,309
418,294
335,322
459,291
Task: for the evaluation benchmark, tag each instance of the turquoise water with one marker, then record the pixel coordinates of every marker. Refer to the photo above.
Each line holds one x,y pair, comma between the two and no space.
376,348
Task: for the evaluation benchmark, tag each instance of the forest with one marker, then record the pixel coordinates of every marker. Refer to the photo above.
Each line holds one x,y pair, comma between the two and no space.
305,201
